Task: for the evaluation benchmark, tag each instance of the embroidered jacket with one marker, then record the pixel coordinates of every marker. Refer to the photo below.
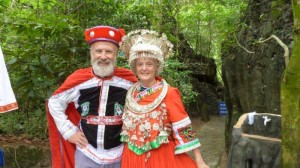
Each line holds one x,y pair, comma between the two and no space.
98,104
144,119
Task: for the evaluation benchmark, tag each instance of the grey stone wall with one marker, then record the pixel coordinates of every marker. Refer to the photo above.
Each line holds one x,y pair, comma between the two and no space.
258,144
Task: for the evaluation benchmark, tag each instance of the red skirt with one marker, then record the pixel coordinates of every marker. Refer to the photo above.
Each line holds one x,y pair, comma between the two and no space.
162,157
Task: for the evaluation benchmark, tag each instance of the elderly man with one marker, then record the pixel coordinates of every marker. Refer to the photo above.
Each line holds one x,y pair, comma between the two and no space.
84,113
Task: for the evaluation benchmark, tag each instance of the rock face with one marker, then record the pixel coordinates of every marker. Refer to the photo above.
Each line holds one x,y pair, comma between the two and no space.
25,156
252,71
204,81
256,142
253,79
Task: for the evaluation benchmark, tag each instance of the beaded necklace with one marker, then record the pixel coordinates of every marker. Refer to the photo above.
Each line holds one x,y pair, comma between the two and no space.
147,91
134,106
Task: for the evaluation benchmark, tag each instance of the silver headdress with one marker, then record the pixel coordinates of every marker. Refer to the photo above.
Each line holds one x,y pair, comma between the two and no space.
146,43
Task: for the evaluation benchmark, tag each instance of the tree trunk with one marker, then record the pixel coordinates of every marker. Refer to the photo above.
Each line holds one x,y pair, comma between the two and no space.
290,100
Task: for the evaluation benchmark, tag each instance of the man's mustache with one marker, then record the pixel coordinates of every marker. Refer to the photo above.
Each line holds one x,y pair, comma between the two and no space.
103,61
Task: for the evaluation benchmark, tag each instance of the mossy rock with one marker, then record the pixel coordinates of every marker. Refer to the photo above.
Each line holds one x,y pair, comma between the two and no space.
24,156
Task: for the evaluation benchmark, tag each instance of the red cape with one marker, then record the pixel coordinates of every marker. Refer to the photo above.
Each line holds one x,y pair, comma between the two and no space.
62,151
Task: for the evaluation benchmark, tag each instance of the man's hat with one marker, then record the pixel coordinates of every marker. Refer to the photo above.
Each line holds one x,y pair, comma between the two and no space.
104,33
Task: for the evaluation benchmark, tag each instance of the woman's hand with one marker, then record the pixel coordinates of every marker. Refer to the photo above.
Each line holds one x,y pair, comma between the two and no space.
203,166
199,160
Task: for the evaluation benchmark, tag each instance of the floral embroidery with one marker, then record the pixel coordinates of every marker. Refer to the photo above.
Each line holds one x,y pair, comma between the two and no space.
187,133
103,120
147,91
85,108
144,131
118,109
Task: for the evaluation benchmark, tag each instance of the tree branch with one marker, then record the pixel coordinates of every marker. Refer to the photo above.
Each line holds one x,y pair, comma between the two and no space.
250,52
286,49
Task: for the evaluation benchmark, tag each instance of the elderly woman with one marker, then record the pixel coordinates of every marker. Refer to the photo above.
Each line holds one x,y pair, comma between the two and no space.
150,104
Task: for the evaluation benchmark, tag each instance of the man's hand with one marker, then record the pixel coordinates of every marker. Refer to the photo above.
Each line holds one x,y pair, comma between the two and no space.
168,128
79,139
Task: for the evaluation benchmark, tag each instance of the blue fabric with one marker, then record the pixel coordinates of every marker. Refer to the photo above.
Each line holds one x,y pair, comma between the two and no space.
1,157
222,108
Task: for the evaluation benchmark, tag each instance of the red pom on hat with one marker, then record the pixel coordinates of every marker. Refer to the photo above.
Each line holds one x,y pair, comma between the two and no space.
104,33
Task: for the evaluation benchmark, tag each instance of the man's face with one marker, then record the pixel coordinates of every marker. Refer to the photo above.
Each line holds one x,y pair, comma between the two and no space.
103,58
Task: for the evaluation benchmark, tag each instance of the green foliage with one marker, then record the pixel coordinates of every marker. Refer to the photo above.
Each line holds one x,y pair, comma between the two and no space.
40,54
207,24
31,123
122,61
135,16
177,75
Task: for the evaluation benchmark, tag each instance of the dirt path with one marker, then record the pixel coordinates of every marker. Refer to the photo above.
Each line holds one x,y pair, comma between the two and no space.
212,139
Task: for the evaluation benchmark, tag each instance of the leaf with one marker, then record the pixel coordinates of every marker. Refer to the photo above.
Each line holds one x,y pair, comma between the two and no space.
22,81
73,49
30,93
37,26
44,59
61,74
12,61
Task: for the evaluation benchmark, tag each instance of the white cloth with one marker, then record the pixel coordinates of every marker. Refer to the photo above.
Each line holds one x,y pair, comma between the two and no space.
7,97
251,117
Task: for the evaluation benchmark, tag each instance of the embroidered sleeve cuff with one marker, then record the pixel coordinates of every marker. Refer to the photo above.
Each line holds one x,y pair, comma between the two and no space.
69,131
187,146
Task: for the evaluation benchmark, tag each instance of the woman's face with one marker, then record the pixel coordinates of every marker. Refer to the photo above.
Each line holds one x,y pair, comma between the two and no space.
146,69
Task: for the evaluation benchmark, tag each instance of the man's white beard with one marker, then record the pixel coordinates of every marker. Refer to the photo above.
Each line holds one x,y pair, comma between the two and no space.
103,71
